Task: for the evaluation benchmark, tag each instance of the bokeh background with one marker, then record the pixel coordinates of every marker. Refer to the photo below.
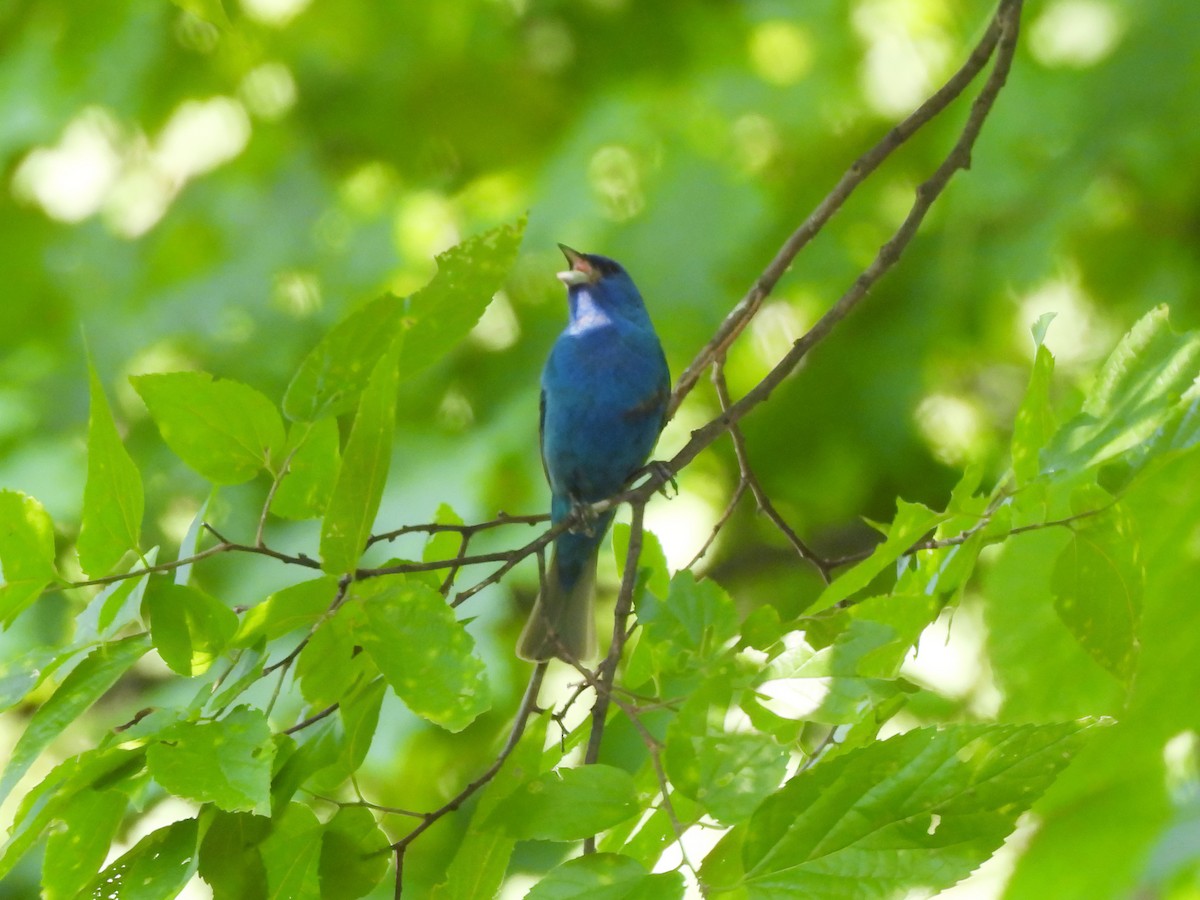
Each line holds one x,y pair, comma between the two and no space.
185,185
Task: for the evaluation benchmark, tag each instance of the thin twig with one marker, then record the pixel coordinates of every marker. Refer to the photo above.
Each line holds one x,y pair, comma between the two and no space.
527,708
313,719
738,493
765,506
607,670
468,529
744,311
889,254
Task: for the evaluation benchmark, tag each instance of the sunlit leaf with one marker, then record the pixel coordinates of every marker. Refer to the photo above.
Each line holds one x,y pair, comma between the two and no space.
312,470
425,325
567,804
157,866
336,371
225,430
912,522
294,607
86,684
922,809
1034,424
359,489
440,314
226,763
76,851
190,629
1097,583
26,552
606,876
113,499
422,650
1134,395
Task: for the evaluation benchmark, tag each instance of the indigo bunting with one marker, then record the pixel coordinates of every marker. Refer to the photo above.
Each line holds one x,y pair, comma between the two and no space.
604,400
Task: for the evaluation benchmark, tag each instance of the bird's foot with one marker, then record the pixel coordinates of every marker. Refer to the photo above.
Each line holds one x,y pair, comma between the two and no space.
584,518
661,471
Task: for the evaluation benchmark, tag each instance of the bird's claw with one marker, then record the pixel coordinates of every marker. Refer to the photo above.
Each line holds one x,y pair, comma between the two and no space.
584,517
659,469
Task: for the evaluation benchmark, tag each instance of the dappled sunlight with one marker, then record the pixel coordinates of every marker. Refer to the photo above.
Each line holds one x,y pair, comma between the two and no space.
1079,334
269,91
274,12
615,174
951,658
425,224
498,327
71,179
954,427
781,52
95,167
907,49
1076,33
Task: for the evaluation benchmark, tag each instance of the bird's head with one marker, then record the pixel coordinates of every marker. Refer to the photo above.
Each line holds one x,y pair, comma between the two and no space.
588,268
603,280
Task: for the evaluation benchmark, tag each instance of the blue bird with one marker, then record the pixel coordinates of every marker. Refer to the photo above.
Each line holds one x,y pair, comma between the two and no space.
604,400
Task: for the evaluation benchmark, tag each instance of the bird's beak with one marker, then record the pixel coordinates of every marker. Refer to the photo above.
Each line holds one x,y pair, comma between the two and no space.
580,271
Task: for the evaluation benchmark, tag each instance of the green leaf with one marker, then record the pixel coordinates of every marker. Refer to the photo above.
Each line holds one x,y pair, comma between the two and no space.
695,621
427,324
226,763
230,860
26,553
605,876
158,866
422,650
190,629
337,370
355,501
113,500
481,860
1034,424
286,610
353,854
117,605
312,470
652,562
329,665
86,684
76,851
912,522
440,314
443,544
359,716
567,804
116,768
292,855
728,773
922,809
225,430
1097,584
1135,394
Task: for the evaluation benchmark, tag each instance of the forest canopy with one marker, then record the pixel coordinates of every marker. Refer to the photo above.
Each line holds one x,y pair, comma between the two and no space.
913,593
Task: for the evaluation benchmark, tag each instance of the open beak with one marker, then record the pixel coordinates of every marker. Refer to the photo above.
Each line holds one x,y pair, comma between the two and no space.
580,271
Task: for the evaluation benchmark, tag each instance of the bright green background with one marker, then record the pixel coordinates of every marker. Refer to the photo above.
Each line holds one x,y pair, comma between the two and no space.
685,139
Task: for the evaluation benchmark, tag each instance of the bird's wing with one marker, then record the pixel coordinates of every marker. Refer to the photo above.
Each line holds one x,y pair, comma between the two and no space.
542,432
653,404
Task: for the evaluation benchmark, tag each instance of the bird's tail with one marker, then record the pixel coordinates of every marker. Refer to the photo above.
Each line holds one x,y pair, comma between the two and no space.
563,621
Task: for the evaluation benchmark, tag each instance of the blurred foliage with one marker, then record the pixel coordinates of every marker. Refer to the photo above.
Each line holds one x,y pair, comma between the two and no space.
213,186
